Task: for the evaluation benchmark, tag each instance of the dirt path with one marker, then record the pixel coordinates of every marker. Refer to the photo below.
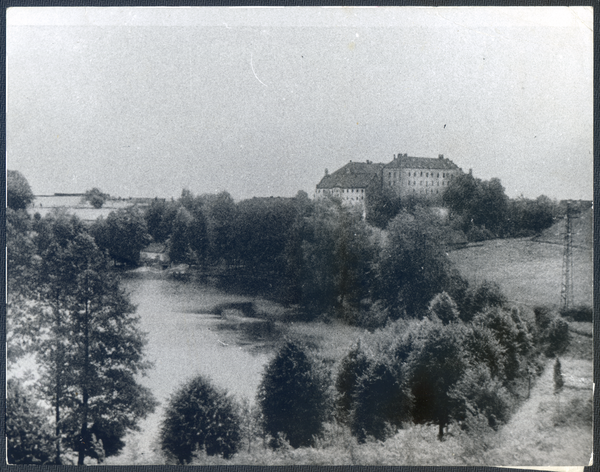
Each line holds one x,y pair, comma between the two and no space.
533,438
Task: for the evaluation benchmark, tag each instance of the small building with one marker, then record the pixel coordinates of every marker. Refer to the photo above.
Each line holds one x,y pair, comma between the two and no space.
155,253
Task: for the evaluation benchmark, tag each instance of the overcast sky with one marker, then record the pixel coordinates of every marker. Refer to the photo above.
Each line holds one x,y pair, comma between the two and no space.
258,102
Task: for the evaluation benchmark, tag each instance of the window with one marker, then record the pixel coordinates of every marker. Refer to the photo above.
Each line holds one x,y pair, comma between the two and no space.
390,175
421,174
438,175
421,183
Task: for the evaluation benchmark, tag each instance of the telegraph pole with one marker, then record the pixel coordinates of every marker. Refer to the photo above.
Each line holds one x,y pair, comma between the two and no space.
566,292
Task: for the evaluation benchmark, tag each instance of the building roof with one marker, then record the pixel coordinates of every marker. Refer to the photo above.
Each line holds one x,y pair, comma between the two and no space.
352,175
405,161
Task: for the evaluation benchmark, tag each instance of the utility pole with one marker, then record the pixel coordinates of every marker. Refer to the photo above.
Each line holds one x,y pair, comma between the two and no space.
566,293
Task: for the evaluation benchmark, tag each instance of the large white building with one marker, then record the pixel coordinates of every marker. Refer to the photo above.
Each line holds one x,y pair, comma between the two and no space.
406,175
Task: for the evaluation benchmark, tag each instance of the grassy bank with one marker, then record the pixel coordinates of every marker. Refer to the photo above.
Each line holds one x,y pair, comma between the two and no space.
528,272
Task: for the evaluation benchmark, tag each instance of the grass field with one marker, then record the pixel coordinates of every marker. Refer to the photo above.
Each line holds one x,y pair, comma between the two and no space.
528,272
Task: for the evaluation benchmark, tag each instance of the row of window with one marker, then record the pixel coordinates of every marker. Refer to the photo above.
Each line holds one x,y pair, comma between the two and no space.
427,192
414,182
414,174
358,190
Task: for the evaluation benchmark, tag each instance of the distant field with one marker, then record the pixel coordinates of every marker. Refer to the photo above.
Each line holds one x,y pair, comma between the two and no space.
528,272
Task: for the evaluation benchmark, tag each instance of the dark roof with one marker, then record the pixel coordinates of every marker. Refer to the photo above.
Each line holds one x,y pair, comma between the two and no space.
352,175
422,163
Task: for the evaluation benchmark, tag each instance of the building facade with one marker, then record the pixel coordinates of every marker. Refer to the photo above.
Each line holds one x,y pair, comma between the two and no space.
421,176
405,175
351,183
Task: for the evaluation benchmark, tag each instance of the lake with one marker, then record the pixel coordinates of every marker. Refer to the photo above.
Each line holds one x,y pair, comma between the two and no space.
185,340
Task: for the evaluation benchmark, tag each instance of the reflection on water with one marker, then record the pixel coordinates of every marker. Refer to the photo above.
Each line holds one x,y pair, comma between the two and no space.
186,338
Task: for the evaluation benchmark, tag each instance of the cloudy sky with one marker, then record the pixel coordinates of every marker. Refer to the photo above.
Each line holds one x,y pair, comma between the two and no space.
258,102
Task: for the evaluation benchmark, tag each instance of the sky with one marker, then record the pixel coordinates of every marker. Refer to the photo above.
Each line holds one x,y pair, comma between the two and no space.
145,102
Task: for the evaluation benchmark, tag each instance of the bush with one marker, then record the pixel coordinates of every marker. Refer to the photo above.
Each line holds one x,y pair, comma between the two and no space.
28,436
293,398
579,313
200,417
543,317
482,394
557,337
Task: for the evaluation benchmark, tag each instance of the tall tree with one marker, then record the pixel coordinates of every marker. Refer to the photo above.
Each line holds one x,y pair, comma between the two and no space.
90,349
179,243
293,397
437,363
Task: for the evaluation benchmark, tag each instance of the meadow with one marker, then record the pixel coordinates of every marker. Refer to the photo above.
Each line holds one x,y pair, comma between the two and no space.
529,272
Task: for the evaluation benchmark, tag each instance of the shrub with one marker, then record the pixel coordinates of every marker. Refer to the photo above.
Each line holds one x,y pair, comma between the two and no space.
28,436
579,313
557,337
543,317
200,417
293,398
559,381
481,394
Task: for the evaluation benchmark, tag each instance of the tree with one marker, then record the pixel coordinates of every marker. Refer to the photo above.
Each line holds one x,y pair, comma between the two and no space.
436,365
179,243
292,397
95,197
443,308
90,349
380,402
412,266
124,234
28,433
200,417
220,211
353,366
559,381
18,192
159,219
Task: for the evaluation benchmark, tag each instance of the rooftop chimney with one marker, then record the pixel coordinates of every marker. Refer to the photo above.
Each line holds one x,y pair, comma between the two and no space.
440,156
326,172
